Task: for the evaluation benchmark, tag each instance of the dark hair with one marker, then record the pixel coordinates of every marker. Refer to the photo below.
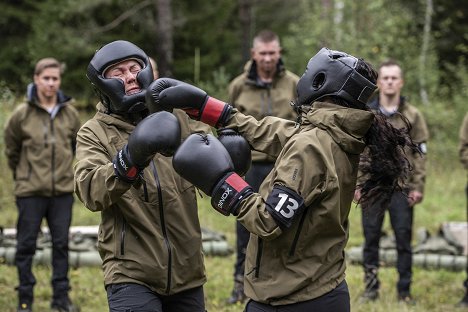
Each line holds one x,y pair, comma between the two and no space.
383,163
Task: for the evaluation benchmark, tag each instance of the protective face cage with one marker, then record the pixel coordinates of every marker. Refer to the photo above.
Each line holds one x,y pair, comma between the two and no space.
333,73
112,90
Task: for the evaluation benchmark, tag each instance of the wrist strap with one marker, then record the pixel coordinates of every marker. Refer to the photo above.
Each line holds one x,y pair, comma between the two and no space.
212,111
229,192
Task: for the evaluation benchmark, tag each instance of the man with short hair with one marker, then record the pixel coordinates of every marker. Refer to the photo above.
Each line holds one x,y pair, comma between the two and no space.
40,138
397,110
265,88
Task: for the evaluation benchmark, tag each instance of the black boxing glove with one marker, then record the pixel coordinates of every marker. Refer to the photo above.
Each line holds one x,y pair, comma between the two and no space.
238,148
167,94
204,161
157,133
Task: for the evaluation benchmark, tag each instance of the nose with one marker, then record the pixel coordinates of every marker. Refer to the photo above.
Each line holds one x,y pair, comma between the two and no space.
129,76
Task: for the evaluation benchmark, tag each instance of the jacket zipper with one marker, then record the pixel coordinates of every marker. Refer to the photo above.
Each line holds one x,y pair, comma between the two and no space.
52,146
296,236
259,256
122,237
163,227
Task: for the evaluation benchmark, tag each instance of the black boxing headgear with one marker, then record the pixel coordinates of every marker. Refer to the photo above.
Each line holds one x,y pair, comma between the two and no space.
333,73
112,90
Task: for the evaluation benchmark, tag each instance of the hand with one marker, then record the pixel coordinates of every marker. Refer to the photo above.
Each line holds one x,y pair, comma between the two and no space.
414,197
204,161
238,148
357,195
157,133
167,94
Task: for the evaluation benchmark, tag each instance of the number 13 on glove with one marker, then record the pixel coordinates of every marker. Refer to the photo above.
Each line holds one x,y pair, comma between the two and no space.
284,205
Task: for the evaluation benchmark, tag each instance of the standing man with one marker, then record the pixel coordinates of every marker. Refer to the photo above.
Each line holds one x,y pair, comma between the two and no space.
463,150
40,139
265,88
395,107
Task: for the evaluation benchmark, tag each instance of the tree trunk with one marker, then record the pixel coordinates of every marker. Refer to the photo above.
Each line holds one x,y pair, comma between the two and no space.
164,31
424,51
245,17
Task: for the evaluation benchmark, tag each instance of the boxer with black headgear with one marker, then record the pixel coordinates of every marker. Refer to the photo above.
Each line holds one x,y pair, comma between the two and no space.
299,218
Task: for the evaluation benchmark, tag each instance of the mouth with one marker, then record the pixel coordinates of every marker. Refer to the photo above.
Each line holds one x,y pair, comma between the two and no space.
132,90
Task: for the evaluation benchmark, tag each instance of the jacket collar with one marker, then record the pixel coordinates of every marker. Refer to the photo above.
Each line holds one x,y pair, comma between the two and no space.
346,126
110,119
31,96
375,105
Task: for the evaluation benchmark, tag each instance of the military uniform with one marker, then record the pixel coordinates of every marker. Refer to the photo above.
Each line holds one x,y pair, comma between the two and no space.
400,212
39,146
318,161
253,97
150,232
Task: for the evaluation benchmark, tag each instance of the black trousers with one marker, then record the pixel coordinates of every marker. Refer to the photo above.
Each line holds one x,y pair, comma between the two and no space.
401,219
336,300
57,211
130,297
254,177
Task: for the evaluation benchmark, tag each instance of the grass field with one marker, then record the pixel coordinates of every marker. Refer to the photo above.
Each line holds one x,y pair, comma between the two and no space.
434,290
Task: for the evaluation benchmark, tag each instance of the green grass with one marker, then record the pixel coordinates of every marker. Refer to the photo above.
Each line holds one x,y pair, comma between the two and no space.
434,290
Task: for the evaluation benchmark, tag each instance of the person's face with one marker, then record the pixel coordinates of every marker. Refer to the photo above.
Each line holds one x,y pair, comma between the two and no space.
127,72
48,82
266,55
390,81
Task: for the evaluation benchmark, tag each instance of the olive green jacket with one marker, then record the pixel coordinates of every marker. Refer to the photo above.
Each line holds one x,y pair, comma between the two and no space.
149,232
418,133
463,147
319,161
40,146
251,97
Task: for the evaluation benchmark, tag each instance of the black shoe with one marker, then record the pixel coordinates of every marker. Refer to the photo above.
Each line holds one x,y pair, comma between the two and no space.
369,295
464,302
24,307
407,299
237,294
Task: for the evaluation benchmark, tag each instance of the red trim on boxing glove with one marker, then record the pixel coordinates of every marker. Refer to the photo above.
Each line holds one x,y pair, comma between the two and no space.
212,111
229,192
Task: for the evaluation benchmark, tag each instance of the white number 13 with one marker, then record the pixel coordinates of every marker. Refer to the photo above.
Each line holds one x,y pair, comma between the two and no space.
288,211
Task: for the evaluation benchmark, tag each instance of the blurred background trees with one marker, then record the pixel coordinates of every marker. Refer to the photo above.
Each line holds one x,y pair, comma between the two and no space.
208,42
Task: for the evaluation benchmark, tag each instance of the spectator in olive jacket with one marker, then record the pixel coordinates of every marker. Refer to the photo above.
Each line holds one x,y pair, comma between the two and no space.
265,88
398,112
40,139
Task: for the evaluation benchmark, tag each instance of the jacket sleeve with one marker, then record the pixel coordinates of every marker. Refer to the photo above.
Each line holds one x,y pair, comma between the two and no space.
463,146
420,134
13,140
301,169
267,135
95,182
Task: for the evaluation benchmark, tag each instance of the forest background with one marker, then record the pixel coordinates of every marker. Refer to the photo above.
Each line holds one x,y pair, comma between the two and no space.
207,43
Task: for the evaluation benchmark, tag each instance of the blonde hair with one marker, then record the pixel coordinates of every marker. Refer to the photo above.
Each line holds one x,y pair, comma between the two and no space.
48,62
